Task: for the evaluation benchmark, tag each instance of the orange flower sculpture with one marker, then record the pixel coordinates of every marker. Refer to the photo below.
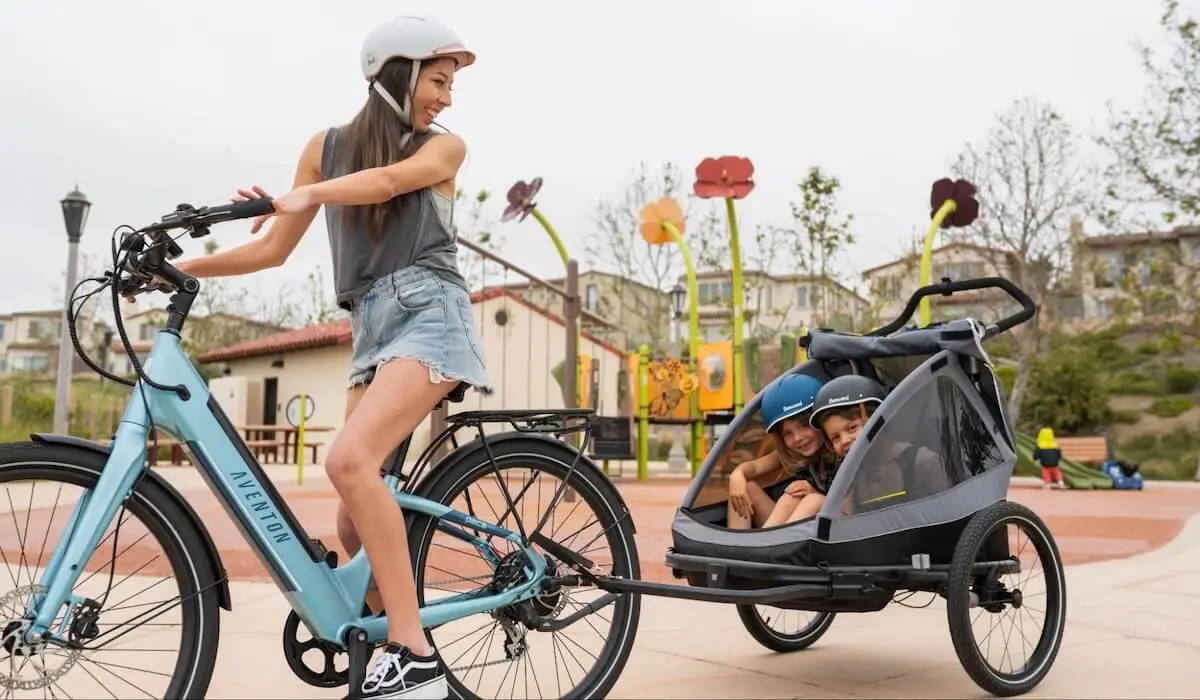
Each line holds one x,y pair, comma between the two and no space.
653,216
727,176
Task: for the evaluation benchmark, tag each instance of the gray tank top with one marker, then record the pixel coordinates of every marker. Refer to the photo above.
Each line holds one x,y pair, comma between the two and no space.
419,231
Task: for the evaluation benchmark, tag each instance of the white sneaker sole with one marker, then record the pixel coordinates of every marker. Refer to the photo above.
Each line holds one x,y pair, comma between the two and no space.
435,689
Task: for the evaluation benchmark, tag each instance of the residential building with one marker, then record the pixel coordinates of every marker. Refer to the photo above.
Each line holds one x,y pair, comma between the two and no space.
200,333
524,347
1136,275
29,341
629,313
775,304
892,283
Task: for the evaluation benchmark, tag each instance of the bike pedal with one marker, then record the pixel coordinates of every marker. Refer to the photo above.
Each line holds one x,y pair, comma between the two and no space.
563,554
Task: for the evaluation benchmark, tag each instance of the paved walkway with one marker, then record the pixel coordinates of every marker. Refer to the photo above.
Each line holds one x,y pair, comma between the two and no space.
1133,614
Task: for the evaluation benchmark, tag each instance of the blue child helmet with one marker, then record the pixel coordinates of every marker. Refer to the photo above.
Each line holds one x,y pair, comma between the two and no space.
790,396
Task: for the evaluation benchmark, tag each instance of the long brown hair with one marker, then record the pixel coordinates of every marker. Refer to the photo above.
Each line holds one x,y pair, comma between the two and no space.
373,139
791,460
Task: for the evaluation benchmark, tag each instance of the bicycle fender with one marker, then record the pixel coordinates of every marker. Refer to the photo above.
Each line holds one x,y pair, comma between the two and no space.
179,501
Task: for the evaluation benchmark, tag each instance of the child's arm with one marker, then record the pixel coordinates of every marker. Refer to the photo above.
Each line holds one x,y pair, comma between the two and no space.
757,467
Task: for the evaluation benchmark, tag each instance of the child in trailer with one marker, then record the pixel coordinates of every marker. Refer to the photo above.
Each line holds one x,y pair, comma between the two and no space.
843,408
798,453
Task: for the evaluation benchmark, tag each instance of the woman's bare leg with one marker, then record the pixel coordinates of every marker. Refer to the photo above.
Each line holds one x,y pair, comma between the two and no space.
388,411
347,535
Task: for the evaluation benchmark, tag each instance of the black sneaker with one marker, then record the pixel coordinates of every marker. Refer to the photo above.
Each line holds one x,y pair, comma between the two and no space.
399,673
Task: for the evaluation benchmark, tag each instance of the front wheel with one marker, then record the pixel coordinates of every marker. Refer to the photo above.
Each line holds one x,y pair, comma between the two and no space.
499,654
784,630
154,633
1006,599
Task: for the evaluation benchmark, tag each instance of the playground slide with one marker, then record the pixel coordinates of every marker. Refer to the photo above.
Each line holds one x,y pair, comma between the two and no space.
1077,476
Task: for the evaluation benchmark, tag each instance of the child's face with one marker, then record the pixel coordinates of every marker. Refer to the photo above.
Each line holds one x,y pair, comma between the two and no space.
799,436
842,432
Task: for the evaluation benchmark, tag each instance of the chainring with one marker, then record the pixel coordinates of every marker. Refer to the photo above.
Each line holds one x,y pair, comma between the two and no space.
294,651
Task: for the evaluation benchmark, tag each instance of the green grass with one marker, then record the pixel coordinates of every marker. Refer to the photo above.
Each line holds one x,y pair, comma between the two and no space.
1170,456
1170,406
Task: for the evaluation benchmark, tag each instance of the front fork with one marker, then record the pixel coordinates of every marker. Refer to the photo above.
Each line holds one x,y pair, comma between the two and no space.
90,520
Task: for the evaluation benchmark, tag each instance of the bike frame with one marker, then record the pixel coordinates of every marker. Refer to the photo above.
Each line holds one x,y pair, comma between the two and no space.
328,600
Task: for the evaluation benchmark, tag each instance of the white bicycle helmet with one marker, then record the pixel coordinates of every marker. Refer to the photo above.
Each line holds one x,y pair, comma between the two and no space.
416,39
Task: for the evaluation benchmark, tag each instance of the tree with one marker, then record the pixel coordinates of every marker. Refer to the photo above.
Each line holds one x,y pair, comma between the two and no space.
1155,149
1030,182
617,243
1071,392
818,234
1153,176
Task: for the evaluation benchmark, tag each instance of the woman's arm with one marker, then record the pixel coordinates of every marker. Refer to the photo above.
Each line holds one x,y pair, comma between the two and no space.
437,161
272,249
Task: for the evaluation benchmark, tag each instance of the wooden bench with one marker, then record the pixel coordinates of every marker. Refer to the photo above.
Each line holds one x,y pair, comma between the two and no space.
1084,449
262,448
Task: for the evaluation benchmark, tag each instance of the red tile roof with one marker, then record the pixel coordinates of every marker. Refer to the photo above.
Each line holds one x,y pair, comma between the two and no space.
338,333
316,336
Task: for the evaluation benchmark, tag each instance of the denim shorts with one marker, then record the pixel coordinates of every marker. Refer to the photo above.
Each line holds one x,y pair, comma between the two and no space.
414,314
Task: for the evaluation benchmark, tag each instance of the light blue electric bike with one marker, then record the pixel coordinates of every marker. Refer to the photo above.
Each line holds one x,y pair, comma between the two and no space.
523,551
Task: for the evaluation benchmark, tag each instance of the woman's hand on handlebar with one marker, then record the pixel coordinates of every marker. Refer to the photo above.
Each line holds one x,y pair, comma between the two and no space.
738,497
297,200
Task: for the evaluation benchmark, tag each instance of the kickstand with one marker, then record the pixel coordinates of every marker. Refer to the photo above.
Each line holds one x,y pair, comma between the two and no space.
360,654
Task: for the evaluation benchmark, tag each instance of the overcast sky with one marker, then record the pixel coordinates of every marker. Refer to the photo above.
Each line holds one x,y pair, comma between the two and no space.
148,104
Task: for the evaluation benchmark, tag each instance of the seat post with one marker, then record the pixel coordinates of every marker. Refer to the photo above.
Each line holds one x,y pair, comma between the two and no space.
395,465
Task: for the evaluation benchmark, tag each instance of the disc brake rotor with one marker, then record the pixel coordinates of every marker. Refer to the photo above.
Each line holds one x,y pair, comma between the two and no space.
25,659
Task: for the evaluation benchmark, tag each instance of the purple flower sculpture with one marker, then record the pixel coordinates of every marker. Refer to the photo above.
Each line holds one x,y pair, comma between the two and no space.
963,194
520,199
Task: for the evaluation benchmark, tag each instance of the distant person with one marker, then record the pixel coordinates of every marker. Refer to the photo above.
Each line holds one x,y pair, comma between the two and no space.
798,453
1048,456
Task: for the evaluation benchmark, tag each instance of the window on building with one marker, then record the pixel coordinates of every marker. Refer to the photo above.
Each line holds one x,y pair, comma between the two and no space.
1,331
1104,309
3,364
591,297
147,331
1194,247
715,292
34,363
801,296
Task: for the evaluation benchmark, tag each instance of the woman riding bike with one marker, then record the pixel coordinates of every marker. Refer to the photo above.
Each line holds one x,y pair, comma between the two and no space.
387,184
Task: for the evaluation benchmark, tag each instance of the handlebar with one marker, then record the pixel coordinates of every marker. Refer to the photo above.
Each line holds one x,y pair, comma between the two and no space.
946,288
198,220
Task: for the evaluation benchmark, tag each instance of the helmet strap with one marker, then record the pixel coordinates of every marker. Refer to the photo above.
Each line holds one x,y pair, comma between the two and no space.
405,112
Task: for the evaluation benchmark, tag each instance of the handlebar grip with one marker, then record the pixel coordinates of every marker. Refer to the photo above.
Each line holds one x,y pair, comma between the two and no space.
241,210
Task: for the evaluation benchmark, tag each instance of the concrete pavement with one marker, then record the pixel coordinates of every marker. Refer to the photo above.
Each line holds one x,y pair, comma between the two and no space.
1133,625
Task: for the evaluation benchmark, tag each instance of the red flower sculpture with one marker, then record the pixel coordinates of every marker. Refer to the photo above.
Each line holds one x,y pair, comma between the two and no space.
727,176
963,194
520,199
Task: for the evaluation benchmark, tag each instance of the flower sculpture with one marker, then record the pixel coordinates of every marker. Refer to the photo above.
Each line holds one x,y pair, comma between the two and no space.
654,217
966,207
729,177
520,199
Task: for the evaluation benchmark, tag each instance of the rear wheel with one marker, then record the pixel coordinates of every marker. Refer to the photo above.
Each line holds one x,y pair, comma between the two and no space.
1006,620
154,633
784,630
500,654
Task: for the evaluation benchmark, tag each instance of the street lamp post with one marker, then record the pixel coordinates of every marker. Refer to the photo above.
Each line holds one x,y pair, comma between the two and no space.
75,208
678,297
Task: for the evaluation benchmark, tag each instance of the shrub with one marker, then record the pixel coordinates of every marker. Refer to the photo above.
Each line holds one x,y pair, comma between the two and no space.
1171,342
1148,347
1170,406
1007,374
1066,390
1133,382
1127,417
1181,380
